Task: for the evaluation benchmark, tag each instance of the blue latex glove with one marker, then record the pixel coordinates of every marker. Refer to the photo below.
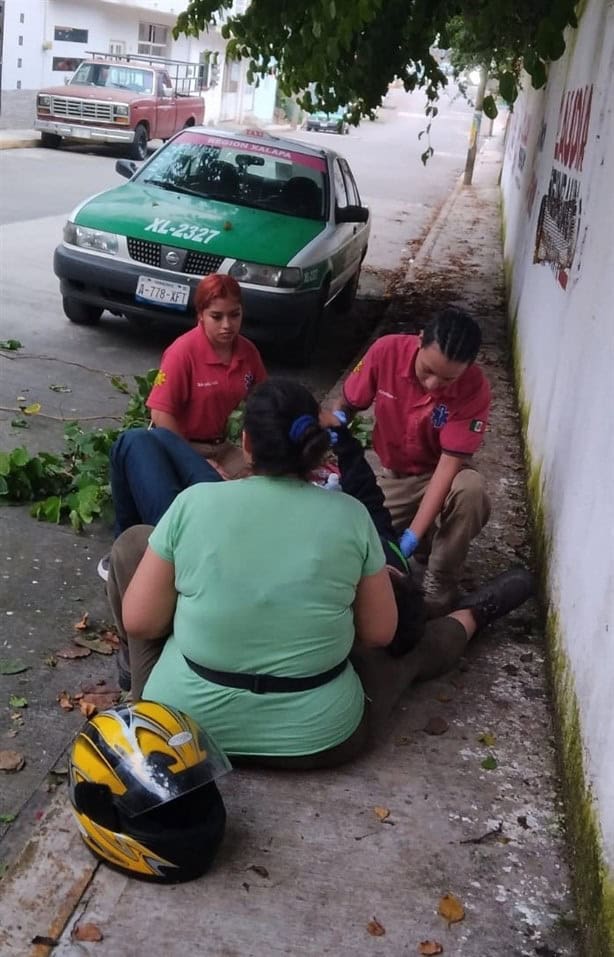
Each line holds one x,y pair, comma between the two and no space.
343,420
408,543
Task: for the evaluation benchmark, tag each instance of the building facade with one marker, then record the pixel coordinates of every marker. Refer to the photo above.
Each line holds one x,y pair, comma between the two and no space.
43,42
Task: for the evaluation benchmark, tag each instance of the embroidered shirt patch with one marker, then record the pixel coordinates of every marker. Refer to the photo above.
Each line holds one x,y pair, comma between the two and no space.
476,425
439,416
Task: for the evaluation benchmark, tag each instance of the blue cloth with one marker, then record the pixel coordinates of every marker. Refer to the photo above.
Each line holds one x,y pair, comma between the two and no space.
149,468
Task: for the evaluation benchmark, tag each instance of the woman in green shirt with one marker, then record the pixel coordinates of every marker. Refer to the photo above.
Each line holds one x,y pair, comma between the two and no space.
248,597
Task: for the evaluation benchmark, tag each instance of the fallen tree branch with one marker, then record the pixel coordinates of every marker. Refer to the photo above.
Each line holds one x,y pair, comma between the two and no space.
61,418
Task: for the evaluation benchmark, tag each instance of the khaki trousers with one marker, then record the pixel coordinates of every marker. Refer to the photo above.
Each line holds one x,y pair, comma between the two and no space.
384,678
464,514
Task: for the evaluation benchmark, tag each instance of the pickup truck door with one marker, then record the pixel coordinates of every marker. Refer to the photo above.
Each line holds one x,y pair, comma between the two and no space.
166,108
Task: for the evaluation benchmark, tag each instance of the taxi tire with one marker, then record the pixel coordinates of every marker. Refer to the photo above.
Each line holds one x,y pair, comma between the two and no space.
138,148
81,313
345,300
301,349
51,141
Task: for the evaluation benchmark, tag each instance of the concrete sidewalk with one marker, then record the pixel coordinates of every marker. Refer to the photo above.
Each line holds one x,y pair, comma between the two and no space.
307,864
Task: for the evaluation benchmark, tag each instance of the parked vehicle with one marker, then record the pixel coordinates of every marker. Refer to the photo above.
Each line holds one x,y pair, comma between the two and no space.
127,99
328,122
285,219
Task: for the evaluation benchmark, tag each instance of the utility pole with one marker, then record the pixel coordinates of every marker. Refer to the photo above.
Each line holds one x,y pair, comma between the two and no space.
475,127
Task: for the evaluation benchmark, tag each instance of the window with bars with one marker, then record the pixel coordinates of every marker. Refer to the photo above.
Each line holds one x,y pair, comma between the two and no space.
153,39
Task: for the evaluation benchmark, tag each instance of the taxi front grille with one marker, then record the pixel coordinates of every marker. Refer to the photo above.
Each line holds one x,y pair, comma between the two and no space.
196,264
74,109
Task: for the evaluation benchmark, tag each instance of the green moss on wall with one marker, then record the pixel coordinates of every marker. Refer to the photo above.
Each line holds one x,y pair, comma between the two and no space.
592,880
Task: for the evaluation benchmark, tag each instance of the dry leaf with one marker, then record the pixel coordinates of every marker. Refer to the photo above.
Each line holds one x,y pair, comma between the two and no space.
111,636
84,623
451,908
258,869
86,932
87,708
11,761
381,812
74,651
430,948
94,644
488,739
64,701
375,928
436,725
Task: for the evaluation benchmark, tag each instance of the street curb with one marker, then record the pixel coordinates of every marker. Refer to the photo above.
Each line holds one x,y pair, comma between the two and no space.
17,143
43,887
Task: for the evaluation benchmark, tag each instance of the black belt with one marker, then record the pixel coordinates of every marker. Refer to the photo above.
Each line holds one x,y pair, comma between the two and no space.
217,441
264,684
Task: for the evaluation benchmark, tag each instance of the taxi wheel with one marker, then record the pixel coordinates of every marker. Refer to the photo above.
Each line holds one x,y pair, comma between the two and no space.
301,349
81,313
345,299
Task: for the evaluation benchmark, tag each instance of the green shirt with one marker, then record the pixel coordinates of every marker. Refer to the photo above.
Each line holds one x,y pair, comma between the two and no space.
266,571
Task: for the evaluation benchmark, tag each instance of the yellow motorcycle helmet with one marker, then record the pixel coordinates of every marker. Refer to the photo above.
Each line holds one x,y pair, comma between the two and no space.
142,786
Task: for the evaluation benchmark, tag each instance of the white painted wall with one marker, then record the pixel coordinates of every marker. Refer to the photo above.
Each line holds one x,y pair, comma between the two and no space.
565,323
106,21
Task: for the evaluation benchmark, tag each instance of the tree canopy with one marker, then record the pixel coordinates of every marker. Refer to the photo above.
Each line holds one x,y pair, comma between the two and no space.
331,53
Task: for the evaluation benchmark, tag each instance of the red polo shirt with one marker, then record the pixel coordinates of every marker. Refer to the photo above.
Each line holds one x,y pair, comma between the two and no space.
200,390
413,427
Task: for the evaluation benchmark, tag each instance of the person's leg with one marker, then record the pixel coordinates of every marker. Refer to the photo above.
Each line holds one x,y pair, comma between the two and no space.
444,641
136,658
402,496
465,512
149,467
385,679
230,460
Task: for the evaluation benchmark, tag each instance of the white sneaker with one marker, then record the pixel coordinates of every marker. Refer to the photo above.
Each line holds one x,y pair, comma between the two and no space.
103,567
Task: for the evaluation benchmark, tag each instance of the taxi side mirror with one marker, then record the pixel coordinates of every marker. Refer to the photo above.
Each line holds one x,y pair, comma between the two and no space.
126,168
352,214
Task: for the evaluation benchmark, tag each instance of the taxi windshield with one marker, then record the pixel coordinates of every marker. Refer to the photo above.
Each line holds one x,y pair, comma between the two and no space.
261,175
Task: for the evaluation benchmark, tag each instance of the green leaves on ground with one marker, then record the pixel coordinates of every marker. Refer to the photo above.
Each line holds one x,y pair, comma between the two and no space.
361,428
489,763
12,345
12,666
73,486
17,701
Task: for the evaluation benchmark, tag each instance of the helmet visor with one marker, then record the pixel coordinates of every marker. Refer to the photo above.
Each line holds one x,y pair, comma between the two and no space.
158,755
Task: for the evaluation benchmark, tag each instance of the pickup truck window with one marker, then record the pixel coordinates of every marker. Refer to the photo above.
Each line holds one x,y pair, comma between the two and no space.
241,172
118,77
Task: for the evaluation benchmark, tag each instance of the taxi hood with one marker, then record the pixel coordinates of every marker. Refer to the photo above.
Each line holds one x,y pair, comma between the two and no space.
177,219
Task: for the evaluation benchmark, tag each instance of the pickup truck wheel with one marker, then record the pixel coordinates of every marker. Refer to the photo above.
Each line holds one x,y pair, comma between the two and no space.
138,148
51,141
81,313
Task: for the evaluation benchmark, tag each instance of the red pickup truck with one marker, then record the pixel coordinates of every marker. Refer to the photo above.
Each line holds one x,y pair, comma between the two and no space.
128,100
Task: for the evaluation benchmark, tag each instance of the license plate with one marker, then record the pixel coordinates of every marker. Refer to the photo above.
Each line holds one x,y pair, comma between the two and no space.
172,295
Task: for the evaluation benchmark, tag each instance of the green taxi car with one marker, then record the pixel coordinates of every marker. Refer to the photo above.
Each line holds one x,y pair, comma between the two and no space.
285,219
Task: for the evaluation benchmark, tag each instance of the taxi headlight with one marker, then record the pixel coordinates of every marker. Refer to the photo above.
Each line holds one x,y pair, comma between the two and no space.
284,277
90,238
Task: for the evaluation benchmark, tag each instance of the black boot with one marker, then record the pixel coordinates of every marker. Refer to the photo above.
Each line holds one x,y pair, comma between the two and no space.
499,596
